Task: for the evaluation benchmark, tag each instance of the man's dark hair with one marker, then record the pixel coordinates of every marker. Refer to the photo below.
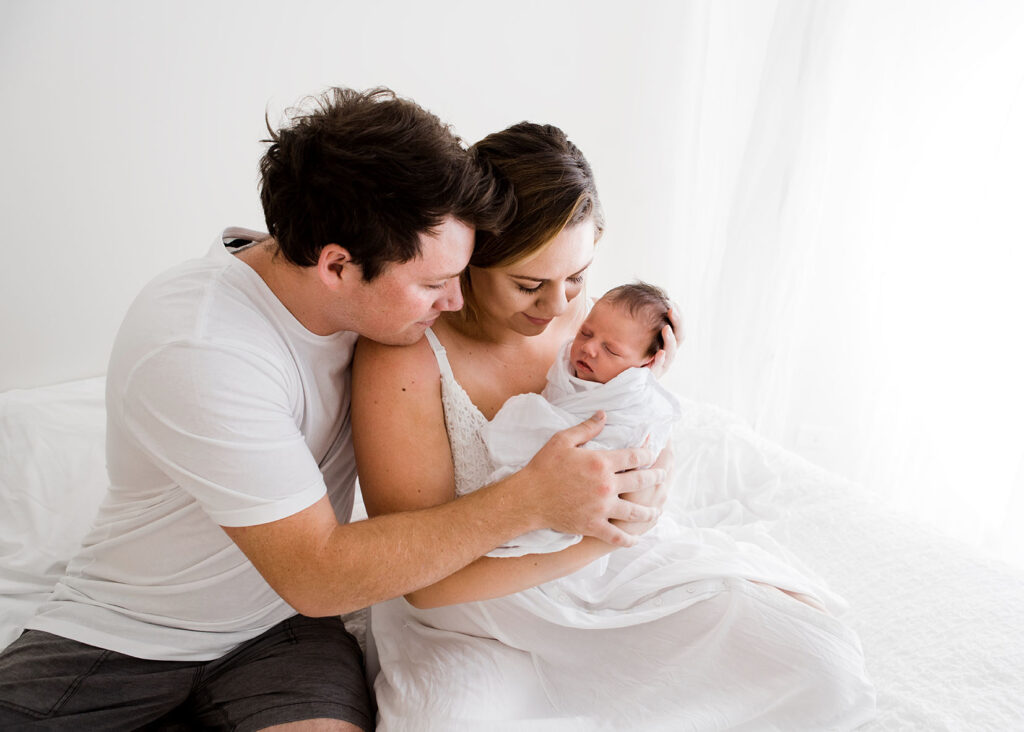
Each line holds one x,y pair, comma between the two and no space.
646,301
369,171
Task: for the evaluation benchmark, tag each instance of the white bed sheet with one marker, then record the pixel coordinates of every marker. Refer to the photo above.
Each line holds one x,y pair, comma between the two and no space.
52,477
942,626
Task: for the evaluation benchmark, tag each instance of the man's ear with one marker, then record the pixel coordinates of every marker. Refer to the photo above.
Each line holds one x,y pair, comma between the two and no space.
335,266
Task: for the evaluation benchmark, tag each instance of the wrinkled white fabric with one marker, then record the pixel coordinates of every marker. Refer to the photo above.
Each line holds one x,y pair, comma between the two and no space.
636,406
668,635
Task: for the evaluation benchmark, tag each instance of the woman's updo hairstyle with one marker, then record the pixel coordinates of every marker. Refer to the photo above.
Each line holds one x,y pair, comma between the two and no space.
551,183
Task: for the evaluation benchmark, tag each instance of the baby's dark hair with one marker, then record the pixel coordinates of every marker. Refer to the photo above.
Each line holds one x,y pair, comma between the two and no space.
646,301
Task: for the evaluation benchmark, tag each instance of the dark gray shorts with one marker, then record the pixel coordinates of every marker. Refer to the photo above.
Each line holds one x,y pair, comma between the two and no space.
303,668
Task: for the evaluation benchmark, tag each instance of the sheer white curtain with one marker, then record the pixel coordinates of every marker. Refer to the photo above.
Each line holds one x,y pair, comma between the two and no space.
850,192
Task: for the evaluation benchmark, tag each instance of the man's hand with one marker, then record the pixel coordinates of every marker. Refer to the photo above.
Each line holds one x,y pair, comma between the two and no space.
579,491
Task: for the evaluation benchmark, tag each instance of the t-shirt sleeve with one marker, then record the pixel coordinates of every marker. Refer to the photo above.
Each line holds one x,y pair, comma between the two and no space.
220,422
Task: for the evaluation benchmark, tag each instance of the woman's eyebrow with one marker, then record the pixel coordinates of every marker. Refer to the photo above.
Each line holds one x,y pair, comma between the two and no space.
541,279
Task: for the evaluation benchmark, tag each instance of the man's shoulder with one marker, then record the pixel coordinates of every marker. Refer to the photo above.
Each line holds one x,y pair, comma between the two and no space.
177,287
205,307
210,268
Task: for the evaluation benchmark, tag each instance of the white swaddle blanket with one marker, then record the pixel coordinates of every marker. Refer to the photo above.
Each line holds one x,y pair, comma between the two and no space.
637,408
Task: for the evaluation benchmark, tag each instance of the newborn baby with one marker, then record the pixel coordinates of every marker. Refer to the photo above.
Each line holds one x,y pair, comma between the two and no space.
604,367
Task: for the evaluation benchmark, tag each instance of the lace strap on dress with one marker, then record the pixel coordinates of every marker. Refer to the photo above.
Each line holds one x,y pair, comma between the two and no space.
463,422
440,354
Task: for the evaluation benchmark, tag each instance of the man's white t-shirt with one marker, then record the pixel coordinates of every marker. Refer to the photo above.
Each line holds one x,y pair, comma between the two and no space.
222,410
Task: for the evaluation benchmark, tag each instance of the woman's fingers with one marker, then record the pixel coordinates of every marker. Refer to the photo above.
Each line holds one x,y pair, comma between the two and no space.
677,323
611,534
666,458
671,336
658,364
629,458
634,519
659,494
630,511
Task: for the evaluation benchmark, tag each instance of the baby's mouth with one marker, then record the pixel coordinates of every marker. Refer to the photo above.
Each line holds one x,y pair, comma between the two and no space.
582,366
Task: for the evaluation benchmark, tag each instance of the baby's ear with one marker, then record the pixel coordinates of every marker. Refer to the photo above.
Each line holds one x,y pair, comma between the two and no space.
649,362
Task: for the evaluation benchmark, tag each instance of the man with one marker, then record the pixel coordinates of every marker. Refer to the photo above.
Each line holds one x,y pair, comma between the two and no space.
230,459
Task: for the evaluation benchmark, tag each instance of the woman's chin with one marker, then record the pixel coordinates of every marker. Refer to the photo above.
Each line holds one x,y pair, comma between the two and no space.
530,327
537,322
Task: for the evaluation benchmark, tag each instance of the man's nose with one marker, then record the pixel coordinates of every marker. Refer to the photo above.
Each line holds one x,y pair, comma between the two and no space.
452,299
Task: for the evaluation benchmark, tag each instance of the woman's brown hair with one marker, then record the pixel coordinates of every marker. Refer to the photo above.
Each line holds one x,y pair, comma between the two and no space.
551,183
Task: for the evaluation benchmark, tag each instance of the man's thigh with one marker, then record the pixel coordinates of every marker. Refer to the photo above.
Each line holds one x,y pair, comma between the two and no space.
50,682
300,670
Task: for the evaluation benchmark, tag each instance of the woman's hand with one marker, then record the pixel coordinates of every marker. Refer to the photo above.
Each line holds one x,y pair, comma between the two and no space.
654,496
672,336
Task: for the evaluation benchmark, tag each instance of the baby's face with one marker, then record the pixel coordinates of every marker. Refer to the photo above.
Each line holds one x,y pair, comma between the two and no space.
608,343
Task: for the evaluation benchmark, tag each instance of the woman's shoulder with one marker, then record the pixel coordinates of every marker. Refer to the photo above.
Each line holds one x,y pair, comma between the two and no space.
406,367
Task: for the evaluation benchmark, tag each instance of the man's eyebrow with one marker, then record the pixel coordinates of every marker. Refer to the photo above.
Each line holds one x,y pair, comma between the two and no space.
541,279
448,276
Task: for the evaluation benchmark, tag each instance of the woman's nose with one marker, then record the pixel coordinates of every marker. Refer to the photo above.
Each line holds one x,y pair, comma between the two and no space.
557,302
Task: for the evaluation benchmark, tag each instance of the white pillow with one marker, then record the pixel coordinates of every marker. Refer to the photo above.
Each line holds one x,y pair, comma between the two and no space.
52,478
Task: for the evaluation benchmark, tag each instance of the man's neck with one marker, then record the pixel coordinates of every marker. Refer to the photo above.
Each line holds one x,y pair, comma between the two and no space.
297,288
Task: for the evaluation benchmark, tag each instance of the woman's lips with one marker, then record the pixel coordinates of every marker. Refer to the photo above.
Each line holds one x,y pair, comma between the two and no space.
537,321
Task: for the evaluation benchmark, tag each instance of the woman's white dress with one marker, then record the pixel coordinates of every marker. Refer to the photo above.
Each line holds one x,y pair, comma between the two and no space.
671,634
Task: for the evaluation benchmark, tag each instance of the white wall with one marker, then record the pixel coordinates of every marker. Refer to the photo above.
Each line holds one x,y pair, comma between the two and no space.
131,129
830,189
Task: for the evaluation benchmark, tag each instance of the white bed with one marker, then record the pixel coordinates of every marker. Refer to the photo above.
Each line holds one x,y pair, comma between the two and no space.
942,626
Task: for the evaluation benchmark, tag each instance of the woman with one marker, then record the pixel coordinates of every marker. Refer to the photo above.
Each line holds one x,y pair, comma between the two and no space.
686,630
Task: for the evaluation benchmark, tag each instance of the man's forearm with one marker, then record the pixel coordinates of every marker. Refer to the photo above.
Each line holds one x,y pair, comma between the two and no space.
323,568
